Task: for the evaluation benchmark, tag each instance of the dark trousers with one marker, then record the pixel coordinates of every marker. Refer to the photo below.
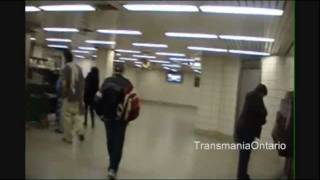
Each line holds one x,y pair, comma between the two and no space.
115,131
244,154
90,107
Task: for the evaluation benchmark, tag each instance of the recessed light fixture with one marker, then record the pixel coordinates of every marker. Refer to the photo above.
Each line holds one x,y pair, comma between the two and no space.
191,35
115,31
79,51
56,29
78,56
32,39
100,42
58,46
170,54
150,45
182,59
206,49
128,59
160,61
144,56
31,9
241,10
249,52
127,51
161,7
246,38
116,60
87,48
73,7
58,40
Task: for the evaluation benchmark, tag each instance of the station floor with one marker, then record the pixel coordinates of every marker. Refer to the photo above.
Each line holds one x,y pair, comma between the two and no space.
159,144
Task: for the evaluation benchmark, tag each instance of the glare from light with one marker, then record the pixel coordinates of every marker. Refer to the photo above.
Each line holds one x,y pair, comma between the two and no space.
206,49
73,7
246,38
182,59
144,56
128,59
150,45
32,39
160,61
87,48
127,51
100,42
55,29
241,10
191,35
57,46
249,52
58,40
115,31
170,54
31,9
161,7
79,51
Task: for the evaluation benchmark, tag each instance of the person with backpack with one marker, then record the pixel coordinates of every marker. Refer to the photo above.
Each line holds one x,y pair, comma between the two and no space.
72,94
117,104
91,88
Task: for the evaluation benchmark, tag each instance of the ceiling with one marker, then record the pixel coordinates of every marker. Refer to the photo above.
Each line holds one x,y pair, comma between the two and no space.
153,25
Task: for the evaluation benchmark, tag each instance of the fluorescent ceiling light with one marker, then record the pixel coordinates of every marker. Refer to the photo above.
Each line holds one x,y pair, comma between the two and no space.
138,65
182,59
31,9
246,38
197,71
206,49
128,59
170,54
150,45
58,40
73,7
94,56
196,64
197,58
191,35
100,42
79,51
160,61
241,10
78,56
174,70
115,31
55,29
144,56
87,48
161,7
167,68
127,51
32,39
118,61
171,65
195,67
57,46
138,62
248,52
118,54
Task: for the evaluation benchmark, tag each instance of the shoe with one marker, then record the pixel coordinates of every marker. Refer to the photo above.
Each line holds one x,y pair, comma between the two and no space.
112,174
66,141
81,137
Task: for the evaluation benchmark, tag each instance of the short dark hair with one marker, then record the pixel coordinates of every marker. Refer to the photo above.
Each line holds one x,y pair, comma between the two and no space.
118,68
68,55
262,89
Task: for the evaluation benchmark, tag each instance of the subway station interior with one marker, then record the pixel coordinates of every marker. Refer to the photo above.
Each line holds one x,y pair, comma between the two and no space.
191,64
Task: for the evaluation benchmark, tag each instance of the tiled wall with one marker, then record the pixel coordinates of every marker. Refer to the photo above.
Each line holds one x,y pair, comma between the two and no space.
278,76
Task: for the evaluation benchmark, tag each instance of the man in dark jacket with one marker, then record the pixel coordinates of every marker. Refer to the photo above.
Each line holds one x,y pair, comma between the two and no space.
249,125
90,89
112,93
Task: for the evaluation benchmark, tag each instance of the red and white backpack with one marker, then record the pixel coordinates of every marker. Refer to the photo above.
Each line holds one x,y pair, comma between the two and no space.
130,108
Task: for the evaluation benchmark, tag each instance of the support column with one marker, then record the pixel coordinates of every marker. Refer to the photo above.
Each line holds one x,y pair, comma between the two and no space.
27,54
105,63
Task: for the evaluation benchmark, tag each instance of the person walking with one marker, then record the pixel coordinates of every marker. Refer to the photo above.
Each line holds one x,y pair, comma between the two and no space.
72,94
249,125
91,88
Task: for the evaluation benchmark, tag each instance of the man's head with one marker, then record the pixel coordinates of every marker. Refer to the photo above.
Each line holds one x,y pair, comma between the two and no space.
67,56
262,90
118,68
